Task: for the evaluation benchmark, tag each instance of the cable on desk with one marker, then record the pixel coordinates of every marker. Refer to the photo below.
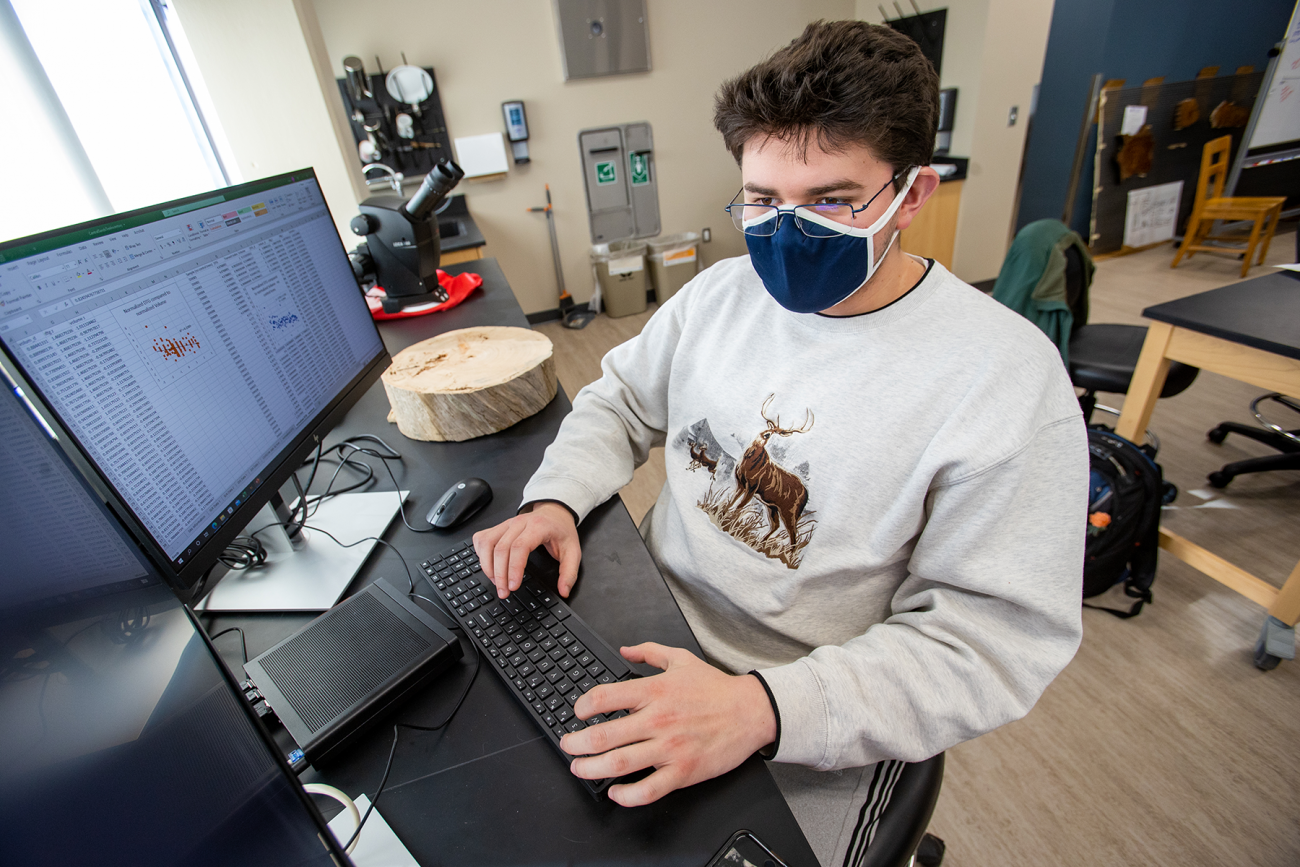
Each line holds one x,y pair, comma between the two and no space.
388,766
243,644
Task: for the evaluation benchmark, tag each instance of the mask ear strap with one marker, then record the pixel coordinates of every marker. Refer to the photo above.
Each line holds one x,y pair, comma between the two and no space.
894,205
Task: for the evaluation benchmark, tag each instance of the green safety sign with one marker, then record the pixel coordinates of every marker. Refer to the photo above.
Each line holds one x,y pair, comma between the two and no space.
640,167
606,173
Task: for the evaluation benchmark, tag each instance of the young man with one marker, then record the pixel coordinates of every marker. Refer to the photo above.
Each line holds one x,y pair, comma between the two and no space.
877,476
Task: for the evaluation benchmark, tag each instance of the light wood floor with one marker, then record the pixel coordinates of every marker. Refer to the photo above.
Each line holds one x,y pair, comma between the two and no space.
1160,743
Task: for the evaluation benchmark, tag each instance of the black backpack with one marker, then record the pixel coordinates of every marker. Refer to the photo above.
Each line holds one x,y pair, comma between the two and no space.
1126,491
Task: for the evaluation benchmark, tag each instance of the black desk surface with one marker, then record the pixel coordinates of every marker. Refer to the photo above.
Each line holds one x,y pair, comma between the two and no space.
1263,313
488,789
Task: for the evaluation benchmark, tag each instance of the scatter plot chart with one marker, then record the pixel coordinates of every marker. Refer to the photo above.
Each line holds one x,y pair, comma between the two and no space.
165,334
281,317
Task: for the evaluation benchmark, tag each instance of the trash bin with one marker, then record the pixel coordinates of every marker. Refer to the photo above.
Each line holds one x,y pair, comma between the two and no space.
619,269
674,260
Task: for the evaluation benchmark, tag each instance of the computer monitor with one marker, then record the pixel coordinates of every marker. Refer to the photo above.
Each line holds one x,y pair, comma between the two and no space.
123,740
192,354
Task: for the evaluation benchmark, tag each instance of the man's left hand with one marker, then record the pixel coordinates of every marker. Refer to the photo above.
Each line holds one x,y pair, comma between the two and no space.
691,723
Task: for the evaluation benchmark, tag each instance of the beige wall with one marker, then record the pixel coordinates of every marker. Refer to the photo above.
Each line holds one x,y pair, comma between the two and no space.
490,51
270,65
993,54
256,59
1014,46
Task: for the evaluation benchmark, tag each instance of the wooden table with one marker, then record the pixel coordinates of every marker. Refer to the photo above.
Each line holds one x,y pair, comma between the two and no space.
1249,331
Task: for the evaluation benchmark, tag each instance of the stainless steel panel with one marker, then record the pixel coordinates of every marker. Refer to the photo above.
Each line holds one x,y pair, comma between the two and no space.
602,37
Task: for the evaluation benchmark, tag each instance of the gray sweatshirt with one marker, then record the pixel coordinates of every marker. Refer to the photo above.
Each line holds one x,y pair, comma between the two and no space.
883,514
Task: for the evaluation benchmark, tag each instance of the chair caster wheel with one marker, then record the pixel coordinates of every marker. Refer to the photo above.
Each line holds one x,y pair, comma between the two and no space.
1264,660
1217,436
1219,479
1168,493
930,852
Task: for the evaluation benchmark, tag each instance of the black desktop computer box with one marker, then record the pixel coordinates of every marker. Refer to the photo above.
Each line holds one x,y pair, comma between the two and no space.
341,672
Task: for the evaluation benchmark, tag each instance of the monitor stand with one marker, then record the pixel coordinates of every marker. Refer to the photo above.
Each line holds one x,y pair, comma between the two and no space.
309,573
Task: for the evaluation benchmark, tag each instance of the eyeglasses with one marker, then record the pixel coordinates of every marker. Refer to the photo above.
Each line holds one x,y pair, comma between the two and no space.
825,220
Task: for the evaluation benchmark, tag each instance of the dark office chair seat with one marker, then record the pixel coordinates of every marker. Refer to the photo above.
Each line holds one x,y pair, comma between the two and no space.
901,827
1104,356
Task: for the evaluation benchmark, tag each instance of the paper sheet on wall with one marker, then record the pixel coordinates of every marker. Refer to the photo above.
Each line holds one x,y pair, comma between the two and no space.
1152,214
1134,118
481,155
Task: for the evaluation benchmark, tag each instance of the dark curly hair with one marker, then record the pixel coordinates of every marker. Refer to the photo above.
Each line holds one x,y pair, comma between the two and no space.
841,83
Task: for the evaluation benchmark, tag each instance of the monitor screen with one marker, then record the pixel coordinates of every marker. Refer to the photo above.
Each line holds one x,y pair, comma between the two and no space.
123,740
192,350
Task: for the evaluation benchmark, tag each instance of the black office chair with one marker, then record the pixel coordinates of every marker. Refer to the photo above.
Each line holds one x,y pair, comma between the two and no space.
1287,442
900,832
1103,356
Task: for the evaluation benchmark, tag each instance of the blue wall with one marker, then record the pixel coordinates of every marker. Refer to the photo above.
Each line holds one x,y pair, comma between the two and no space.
1134,40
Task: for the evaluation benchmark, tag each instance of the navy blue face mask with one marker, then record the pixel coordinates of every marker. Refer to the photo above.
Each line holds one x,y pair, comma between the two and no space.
808,275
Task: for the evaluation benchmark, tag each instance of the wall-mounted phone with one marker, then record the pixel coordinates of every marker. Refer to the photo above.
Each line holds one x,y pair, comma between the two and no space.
516,129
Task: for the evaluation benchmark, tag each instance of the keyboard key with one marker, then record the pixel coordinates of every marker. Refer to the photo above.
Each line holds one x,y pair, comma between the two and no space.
528,646
566,640
539,707
595,669
595,720
545,664
586,684
575,725
560,612
567,663
502,662
548,643
526,669
559,730
555,675
563,685
518,659
472,605
605,678
618,714
572,697
563,714
482,618
537,655
537,680
493,631
461,612
518,636
549,719
495,653
548,599
519,682
501,640
558,654
555,702
576,650
545,691
585,660
539,634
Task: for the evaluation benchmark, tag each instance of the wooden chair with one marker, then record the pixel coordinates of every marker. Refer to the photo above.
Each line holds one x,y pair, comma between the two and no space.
1210,205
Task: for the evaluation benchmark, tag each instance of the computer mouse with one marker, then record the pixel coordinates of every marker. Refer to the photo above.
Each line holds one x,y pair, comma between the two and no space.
459,504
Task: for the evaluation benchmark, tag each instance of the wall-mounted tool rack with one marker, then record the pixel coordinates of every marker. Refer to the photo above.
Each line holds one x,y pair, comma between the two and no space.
412,157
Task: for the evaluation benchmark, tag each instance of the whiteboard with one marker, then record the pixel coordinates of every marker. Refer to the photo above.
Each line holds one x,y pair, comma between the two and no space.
1279,121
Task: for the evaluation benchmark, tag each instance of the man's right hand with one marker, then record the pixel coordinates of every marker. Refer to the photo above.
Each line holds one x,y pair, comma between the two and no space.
503,550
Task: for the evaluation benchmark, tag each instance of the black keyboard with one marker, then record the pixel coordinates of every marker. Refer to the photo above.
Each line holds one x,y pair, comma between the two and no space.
546,655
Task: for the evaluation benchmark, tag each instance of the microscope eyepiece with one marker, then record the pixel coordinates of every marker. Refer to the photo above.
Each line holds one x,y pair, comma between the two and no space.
437,184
